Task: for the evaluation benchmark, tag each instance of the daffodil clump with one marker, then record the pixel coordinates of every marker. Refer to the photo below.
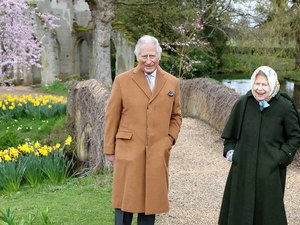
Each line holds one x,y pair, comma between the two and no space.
37,106
32,163
36,149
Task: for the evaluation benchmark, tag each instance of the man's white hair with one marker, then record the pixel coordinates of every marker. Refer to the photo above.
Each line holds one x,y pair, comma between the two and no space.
147,39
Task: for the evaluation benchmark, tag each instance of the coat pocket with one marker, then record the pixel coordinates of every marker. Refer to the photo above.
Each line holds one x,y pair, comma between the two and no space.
284,159
124,144
124,135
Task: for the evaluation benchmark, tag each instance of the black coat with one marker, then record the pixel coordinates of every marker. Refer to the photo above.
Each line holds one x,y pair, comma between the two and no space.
264,143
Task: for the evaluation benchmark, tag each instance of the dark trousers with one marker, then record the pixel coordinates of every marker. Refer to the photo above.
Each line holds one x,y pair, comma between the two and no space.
125,218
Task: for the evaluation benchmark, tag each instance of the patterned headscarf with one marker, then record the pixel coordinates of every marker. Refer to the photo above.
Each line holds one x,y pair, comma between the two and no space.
271,77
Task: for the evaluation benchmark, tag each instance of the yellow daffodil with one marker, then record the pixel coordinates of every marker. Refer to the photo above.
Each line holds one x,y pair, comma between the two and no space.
26,148
7,158
68,140
13,152
49,148
57,146
43,151
37,144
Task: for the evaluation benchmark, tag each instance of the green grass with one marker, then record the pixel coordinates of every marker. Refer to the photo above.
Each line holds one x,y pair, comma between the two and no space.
57,87
81,201
14,132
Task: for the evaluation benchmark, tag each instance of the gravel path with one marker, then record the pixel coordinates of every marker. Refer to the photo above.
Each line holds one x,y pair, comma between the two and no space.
198,174
17,90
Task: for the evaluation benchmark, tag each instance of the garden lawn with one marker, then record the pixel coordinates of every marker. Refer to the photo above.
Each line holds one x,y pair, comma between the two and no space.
57,87
80,201
14,132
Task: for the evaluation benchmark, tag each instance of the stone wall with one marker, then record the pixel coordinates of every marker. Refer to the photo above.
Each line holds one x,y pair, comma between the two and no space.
207,100
86,108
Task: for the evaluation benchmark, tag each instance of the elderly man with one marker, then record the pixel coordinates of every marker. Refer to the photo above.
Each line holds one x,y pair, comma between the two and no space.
143,119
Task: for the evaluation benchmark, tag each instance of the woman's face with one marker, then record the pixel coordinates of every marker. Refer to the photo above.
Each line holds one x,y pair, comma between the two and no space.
261,88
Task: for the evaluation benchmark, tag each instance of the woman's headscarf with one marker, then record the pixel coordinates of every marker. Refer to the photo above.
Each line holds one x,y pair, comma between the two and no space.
271,76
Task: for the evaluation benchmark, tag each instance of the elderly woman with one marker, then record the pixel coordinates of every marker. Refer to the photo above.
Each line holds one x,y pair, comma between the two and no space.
261,138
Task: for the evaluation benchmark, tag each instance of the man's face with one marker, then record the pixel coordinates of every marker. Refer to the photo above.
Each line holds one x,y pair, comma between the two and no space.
148,60
261,88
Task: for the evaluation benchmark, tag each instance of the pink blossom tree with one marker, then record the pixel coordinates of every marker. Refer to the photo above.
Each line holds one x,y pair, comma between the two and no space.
188,38
19,46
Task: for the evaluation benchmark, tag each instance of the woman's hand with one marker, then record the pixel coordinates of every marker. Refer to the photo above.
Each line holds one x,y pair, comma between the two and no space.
229,155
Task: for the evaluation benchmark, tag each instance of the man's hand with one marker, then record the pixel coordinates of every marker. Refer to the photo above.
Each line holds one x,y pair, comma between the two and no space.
111,158
172,140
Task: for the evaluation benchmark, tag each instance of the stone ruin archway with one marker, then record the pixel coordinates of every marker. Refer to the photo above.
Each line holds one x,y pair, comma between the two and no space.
84,59
124,52
82,55
50,59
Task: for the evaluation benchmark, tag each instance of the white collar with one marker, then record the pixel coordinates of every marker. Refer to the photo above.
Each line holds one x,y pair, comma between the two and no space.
153,74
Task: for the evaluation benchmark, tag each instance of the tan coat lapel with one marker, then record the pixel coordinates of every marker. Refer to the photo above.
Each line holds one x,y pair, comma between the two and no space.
140,79
159,83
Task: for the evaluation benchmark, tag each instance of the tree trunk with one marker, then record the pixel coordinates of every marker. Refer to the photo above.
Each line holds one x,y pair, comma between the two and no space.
296,7
297,54
102,12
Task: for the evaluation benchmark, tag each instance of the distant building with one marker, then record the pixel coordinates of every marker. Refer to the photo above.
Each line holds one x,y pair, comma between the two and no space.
67,51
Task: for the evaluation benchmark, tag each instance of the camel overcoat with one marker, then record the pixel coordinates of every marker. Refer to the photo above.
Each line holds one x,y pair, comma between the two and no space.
140,128
264,144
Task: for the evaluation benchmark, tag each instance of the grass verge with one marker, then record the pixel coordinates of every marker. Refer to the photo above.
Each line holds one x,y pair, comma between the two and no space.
80,201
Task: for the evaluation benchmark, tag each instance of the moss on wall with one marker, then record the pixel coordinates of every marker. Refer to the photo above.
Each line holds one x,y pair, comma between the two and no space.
79,28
